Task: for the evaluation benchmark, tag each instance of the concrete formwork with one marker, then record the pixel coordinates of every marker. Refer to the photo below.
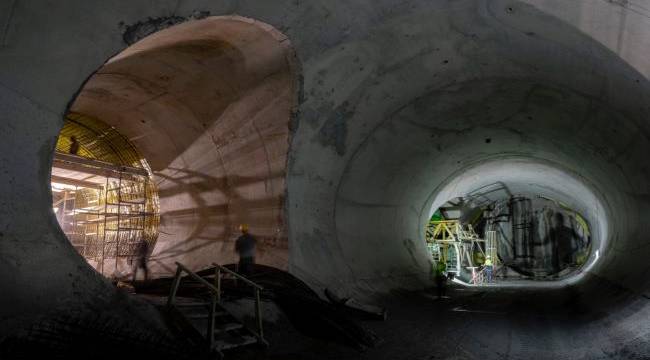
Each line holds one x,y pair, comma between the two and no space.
398,98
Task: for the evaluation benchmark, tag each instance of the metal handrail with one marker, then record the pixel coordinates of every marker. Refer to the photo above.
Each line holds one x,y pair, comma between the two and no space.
216,298
238,276
180,268
257,290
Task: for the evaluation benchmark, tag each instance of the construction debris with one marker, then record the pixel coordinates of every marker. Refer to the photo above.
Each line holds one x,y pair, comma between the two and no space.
357,307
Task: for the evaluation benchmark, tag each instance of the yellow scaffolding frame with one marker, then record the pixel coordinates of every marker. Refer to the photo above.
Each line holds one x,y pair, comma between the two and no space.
446,233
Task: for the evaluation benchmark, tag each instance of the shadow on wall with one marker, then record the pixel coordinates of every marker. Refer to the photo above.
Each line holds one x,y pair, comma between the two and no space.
437,127
208,104
215,222
148,94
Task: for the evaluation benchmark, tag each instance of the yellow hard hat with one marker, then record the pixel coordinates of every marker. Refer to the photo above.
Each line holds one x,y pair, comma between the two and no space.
243,227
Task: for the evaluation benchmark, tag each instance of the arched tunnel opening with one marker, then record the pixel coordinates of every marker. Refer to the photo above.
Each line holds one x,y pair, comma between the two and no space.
504,147
477,168
191,126
491,233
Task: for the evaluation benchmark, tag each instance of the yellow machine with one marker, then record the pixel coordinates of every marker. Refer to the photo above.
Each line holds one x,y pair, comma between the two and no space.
458,245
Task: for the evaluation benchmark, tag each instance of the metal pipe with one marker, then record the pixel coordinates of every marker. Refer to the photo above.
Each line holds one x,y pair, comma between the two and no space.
210,332
175,284
217,280
258,314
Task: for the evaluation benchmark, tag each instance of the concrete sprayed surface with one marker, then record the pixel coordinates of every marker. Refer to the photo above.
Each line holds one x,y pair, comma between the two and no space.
396,101
208,104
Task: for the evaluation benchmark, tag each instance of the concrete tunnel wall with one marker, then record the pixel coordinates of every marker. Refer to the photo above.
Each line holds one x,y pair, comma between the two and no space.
208,103
398,98
411,113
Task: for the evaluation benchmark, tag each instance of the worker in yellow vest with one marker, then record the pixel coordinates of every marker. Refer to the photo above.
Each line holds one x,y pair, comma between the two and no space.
488,268
245,247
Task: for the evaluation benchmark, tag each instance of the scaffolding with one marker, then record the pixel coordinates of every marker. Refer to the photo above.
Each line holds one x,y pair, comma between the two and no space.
105,222
455,244
112,229
65,214
106,201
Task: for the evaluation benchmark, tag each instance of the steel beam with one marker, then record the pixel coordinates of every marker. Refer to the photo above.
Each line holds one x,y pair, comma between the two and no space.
75,182
95,167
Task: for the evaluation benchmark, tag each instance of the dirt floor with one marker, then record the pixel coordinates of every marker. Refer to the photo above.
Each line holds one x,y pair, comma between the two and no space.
470,323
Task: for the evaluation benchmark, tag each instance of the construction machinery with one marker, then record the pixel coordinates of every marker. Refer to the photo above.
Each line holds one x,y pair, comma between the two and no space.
459,247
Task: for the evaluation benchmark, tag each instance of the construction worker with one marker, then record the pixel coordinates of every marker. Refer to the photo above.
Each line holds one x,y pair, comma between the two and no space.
441,279
563,241
139,260
74,145
488,268
245,247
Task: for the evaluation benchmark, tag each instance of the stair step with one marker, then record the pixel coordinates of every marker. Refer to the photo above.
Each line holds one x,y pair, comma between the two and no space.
205,315
221,328
197,304
231,343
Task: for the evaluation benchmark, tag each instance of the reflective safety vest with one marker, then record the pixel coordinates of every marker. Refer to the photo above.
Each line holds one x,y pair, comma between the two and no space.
440,269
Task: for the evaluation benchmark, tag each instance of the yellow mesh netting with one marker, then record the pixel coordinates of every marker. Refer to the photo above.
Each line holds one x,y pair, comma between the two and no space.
109,223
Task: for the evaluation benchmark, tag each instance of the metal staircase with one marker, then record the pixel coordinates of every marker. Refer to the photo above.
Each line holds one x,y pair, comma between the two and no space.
207,321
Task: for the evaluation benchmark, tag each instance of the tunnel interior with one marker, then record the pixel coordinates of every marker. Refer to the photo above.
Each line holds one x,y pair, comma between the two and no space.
208,105
530,152
523,237
534,109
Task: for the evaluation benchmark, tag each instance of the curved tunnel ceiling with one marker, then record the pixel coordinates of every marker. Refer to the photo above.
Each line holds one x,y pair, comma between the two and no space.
97,140
474,91
522,134
398,100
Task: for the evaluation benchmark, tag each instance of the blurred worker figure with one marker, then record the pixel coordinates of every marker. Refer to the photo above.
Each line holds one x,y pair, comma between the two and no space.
74,145
488,268
563,240
139,260
441,279
245,247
